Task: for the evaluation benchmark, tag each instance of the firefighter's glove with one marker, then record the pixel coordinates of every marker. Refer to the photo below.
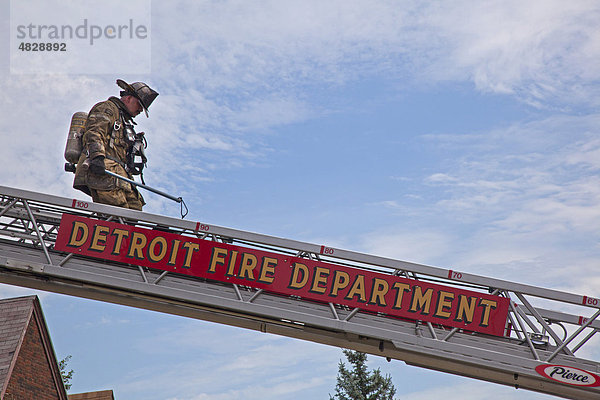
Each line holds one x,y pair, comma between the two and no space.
97,165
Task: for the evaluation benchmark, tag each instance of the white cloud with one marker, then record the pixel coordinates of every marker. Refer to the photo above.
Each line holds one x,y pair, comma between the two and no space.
541,51
233,44
228,363
424,246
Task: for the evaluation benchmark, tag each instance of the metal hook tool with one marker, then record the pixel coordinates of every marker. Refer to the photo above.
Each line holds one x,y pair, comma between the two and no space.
159,192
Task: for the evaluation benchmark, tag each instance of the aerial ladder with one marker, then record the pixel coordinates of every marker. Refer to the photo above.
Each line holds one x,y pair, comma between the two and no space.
436,318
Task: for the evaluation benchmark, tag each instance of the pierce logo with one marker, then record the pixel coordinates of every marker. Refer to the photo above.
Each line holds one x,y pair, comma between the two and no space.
569,375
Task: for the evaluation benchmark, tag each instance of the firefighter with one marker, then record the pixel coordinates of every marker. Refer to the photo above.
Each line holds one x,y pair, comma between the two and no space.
110,143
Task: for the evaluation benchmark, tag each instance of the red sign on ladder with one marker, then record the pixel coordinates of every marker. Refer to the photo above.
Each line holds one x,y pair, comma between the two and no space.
284,274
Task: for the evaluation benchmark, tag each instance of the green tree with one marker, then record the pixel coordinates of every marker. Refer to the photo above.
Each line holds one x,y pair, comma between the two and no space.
360,384
66,375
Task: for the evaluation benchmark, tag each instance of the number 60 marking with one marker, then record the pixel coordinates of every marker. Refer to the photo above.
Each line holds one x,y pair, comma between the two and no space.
590,301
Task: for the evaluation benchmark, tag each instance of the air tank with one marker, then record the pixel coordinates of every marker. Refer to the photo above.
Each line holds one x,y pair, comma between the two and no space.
74,140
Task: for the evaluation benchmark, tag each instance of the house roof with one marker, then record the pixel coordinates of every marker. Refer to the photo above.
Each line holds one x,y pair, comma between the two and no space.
101,395
15,317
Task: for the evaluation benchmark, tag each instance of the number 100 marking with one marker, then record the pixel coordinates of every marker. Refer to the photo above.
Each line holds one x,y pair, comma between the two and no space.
80,204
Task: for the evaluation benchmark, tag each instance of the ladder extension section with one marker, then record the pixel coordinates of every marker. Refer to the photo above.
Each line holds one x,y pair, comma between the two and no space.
531,337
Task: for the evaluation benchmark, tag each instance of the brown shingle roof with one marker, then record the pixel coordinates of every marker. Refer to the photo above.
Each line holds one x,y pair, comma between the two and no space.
14,319
16,315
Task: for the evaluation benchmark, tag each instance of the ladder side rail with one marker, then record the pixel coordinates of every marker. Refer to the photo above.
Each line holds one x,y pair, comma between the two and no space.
584,340
523,330
567,318
557,316
30,224
192,226
37,231
538,317
133,273
573,336
8,206
470,350
99,276
571,319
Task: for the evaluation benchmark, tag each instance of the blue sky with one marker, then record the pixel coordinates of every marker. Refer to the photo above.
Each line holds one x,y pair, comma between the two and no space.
458,134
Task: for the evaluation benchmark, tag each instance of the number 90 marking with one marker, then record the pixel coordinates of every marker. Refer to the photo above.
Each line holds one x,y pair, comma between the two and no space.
202,227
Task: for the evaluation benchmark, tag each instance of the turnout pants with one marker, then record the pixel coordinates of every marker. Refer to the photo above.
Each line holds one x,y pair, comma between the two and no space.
118,197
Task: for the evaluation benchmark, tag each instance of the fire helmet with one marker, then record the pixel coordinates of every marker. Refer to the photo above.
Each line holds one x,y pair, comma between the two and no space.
144,93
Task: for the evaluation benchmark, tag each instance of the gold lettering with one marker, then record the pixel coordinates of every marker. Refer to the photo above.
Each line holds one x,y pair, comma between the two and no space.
268,267
488,305
138,241
152,247
400,289
249,262
466,308
174,250
77,228
299,269
231,267
217,258
378,292
190,248
341,280
444,301
119,234
100,235
421,301
319,277
358,289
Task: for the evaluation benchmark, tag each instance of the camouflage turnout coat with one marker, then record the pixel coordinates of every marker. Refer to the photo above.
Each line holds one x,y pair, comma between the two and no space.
103,136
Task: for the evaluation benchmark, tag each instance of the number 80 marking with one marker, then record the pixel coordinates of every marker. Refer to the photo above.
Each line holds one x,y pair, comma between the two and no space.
327,250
